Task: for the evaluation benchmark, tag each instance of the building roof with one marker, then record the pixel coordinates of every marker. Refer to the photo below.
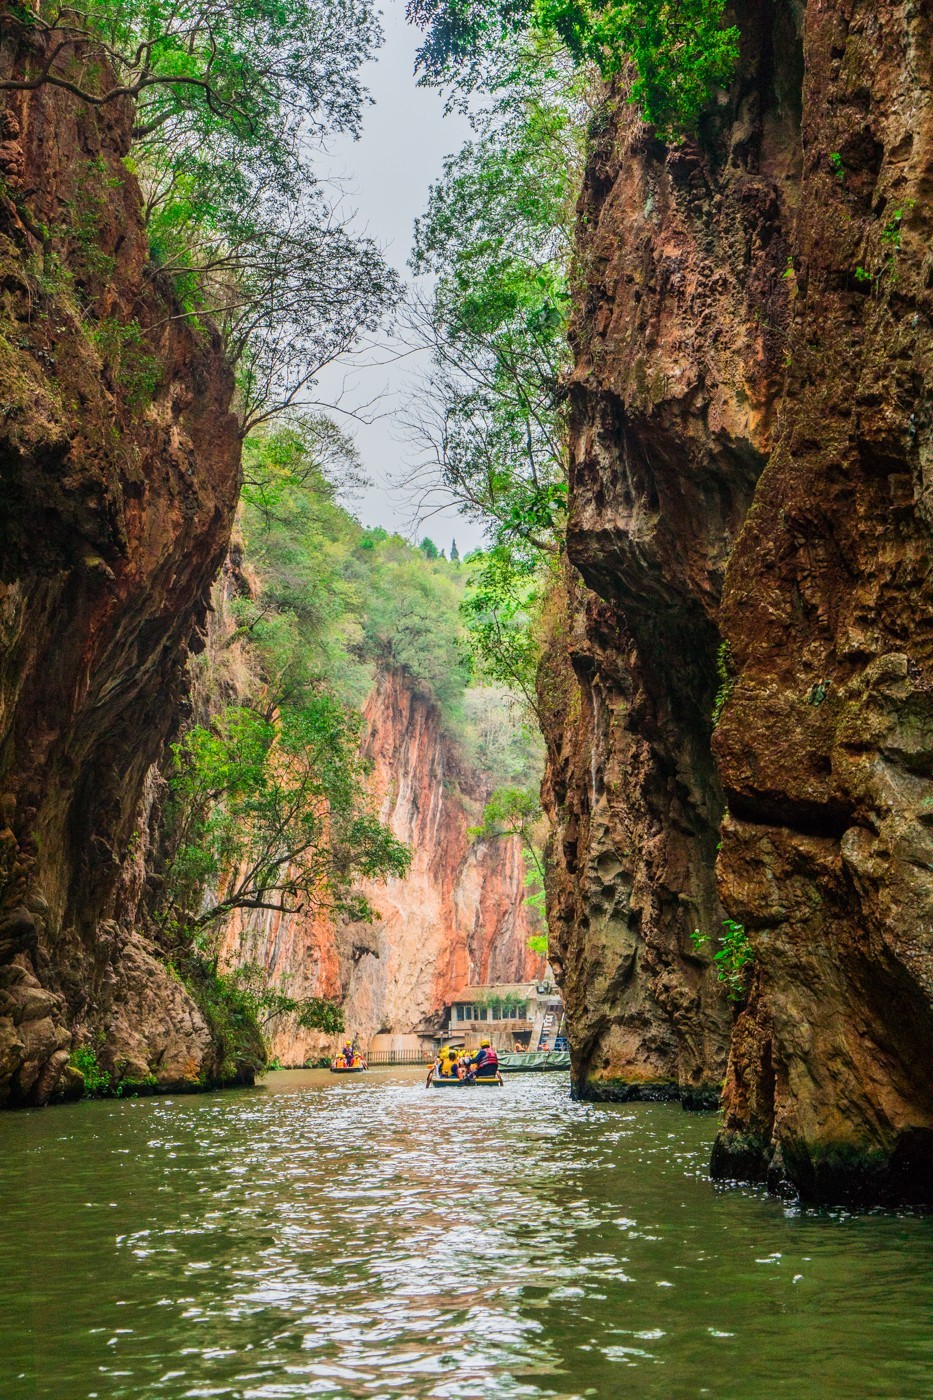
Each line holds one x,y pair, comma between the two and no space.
498,989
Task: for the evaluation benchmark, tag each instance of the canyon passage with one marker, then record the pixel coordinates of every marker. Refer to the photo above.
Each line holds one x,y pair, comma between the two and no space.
496,619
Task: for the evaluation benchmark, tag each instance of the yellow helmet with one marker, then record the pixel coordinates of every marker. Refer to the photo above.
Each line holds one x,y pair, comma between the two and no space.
485,1043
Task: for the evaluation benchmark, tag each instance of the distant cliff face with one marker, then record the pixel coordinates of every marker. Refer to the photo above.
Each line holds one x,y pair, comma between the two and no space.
119,468
458,916
751,428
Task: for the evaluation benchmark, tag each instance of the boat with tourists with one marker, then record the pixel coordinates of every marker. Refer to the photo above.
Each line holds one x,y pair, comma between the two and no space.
456,1069
348,1061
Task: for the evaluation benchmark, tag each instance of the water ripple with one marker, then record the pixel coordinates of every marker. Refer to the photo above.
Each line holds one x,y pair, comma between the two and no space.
371,1239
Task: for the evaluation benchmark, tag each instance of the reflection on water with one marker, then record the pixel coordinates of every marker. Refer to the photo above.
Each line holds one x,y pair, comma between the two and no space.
343,1238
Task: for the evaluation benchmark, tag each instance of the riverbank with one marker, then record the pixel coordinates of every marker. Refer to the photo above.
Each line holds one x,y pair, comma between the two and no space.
317,1236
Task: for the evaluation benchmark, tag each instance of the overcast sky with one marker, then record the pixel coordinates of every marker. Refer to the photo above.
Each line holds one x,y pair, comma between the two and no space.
386,176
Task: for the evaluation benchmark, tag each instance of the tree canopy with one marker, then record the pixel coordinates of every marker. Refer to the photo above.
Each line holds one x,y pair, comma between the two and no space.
232,101
676,51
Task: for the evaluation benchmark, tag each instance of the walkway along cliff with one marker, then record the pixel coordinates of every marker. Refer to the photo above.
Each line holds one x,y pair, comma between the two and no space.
119,472
750,535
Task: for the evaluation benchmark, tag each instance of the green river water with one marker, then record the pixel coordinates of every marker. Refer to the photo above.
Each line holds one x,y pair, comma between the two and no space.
364,1237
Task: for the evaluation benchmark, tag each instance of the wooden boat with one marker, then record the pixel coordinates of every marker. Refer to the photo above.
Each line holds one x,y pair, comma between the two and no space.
450,1082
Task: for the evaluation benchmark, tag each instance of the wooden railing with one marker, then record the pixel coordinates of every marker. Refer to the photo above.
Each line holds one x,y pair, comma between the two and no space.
400,1057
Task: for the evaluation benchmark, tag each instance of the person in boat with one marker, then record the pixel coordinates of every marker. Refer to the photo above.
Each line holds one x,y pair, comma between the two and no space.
442,1066
485,1063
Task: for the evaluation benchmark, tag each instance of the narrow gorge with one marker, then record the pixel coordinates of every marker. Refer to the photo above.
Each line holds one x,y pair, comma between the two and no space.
466,699
711,586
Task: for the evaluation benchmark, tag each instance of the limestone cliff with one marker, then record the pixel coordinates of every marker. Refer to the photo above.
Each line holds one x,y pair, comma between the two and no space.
458,916
119,465
751,431
634,807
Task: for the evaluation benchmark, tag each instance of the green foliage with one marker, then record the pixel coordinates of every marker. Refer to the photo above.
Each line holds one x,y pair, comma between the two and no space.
122,347
726,679
231,103
336,602
538,943
517,812
499,740
496,236
268,1002
96,1080
271,812
411,622
883,268
500,607
100,1083
230,1014
733,957
679,50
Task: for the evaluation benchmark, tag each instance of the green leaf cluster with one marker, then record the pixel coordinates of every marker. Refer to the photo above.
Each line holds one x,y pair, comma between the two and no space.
733,957
513,811
271,812
266,1002
678,52
100,1083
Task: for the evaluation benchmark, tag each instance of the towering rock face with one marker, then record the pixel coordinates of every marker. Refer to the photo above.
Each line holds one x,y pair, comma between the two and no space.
119,468
459,915
752,436
634,807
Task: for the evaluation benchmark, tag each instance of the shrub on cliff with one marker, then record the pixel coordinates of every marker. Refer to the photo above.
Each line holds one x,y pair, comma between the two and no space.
271,812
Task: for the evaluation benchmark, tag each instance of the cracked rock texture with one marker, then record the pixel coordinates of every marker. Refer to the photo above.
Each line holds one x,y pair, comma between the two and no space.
752,447
119,466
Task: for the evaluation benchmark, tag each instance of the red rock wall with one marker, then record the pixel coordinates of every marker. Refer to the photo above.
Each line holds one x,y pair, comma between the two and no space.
750,465
115,510
458,916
